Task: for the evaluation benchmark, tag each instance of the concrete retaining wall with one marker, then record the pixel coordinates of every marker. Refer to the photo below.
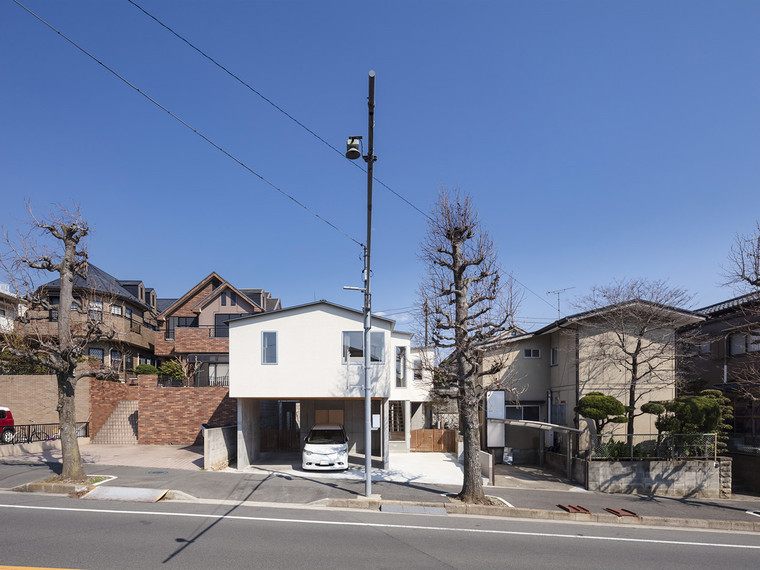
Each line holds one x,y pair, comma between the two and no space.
219,447
694,478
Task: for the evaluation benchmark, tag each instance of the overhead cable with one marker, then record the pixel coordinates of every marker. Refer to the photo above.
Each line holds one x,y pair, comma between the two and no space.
204,137
272,103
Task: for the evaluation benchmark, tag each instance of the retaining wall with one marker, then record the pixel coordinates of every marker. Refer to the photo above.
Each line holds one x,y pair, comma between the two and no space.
174,415
692,478
219,447
34,398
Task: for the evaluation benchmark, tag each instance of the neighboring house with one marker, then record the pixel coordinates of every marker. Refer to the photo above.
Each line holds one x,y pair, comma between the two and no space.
194,330
552,368
11,307
126,307
729,360
310,357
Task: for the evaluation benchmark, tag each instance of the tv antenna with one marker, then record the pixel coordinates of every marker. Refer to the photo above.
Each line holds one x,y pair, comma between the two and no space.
559,292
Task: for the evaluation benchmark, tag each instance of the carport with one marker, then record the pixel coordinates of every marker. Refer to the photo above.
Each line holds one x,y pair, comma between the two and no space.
544,427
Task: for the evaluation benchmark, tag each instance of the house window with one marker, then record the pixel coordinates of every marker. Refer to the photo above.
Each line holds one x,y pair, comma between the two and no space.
738,344
96,310
96,353
128,313
704,348
417,367
116,310
186,322
269,348
115,359
554,356
353,345
224,299
525,412
753,342
233,298
129,362
400,367
532,353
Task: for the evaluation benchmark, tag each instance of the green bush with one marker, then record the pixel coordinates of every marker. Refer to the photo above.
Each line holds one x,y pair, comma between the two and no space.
172,369
146,369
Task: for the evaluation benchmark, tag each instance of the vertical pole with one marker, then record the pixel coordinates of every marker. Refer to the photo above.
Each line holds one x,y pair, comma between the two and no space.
370,158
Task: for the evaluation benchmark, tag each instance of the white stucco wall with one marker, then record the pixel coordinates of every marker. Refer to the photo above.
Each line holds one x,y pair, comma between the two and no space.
309,355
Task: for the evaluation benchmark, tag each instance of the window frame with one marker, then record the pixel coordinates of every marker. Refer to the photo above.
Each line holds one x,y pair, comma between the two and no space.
401,381
265,347
532,353
360,358
95,349
554,356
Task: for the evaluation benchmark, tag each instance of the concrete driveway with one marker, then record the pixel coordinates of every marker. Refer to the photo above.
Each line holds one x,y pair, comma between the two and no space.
424,468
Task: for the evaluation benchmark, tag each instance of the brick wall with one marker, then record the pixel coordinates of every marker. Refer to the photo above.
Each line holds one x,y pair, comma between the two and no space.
104,396
186,310
33,398
174,415
199,340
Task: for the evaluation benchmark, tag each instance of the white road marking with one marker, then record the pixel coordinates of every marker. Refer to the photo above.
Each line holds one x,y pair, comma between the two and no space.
389,526
754,513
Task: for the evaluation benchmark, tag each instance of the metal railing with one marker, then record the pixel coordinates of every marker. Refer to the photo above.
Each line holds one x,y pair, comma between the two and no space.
27,433
623,447
169,382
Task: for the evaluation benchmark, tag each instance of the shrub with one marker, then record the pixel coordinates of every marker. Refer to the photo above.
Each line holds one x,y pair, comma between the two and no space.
146,369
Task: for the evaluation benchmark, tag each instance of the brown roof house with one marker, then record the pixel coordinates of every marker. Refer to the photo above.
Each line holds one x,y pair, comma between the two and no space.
193,329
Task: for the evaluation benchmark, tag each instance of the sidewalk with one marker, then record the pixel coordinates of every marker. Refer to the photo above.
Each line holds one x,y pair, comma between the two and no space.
413,479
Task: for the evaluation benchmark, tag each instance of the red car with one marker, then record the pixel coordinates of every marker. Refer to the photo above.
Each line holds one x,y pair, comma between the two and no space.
6,425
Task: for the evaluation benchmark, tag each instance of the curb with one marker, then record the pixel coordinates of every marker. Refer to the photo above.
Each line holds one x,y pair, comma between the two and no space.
539,514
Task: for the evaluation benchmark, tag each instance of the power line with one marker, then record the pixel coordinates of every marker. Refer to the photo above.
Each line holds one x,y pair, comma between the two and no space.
268,100
201,135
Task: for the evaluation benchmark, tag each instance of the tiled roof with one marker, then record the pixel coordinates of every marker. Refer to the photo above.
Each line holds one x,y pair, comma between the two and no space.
98,281
729,304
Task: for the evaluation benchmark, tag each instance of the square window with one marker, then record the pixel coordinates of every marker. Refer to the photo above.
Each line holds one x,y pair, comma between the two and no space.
532,353
96,353
116,310
353,347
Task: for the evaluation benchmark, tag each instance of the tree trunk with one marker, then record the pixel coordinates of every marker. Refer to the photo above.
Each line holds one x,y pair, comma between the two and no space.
472,488
72,459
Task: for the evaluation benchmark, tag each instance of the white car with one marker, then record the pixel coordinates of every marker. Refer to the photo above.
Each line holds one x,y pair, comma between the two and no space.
326,448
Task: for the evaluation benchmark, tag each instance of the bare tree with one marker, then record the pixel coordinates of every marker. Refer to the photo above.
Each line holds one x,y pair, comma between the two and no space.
743,272
744,261
466,304
633,338
58,348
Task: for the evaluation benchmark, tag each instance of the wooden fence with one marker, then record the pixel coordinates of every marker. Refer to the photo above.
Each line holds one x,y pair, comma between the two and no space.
440,440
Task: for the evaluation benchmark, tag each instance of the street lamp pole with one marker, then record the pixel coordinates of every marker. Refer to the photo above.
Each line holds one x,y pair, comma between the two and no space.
352,152
370,158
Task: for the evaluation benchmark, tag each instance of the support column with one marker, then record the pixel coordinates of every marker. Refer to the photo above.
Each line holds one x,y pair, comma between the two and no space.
407,424
248,432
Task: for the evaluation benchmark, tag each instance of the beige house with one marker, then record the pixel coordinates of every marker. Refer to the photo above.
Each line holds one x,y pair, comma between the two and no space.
596,351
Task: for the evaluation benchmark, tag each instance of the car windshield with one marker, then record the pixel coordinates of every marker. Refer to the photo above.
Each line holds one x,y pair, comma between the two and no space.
326,436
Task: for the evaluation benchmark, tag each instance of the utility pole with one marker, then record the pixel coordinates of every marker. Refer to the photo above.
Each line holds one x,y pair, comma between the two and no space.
352,152
370,158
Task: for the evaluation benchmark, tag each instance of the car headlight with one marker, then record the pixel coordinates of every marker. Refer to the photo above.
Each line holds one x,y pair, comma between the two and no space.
307,452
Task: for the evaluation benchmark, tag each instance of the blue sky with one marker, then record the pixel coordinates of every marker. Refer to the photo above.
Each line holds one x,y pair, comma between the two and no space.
599,140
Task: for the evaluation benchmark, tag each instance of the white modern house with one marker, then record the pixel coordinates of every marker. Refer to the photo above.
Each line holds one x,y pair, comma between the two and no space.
309,359
11,307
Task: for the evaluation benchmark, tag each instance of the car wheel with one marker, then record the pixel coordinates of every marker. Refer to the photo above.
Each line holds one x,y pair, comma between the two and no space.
7,436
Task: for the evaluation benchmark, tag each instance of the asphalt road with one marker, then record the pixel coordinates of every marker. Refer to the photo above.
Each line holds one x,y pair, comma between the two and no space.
43,530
